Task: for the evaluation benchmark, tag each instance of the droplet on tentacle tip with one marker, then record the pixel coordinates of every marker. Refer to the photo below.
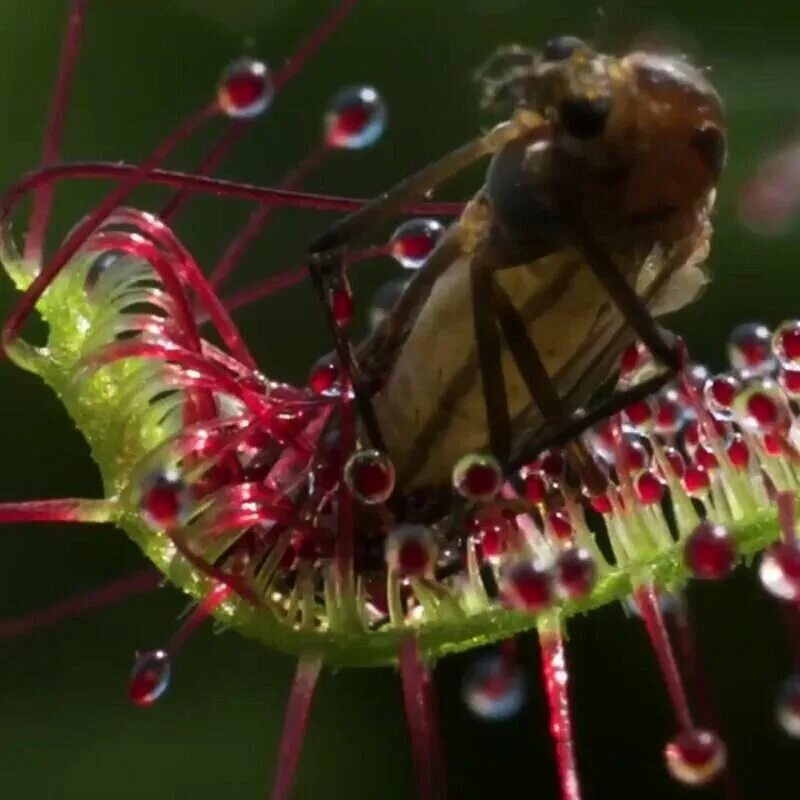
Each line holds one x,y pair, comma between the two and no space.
356,118
786,343
527,586
720,393
710,551
370,476
575,573
695,757
760,406
787,708
493,689
325,376
165,499
750,348
245,88
779,571
477,477
413,241
149,678
411,550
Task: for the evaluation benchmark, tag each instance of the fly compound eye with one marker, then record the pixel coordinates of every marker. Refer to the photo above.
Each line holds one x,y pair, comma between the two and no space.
560,48
584,117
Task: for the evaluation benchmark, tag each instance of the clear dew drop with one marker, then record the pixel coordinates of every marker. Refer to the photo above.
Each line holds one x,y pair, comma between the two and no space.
245,88
413,240
493,689
787,708
695,757
149,678
370,476
383,301
356,118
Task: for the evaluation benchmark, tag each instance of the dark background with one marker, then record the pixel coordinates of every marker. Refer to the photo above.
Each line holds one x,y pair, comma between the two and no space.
66,730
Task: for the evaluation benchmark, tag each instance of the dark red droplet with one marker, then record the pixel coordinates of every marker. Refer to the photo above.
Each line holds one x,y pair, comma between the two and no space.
790,381
705,458
739,452
763,410
342,305
649,488
575,572
535,487
710,551
560,525
695,757
696,480
552,463
639,414
527,587
324,376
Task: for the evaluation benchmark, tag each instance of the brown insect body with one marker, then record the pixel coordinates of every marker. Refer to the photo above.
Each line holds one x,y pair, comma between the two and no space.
627,157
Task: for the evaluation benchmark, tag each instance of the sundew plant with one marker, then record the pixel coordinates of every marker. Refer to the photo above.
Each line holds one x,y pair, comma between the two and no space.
469,607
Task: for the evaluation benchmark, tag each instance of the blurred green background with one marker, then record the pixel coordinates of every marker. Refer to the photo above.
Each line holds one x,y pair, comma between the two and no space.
66,730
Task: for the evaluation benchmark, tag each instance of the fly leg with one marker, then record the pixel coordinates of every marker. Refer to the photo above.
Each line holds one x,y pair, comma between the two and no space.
489,350
539,383
326,263
325,275
386,205
631,306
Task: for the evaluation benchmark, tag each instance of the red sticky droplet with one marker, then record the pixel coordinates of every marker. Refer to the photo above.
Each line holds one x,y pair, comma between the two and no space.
696,480
695,757
739,452
535,487
790,381
477,477
705,458
710,551
675,461
493,529
164,499
560,525
342,305
649,488
763,410
552,464
324,376
370,476
639,414
575,572
668,415
413,558
245,89
724,390
635,456
527,587
787,341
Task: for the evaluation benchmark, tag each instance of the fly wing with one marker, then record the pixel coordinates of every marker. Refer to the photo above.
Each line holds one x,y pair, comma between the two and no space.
431,409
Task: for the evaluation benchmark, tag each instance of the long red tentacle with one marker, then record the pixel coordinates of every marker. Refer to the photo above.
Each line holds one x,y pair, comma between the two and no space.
54,129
